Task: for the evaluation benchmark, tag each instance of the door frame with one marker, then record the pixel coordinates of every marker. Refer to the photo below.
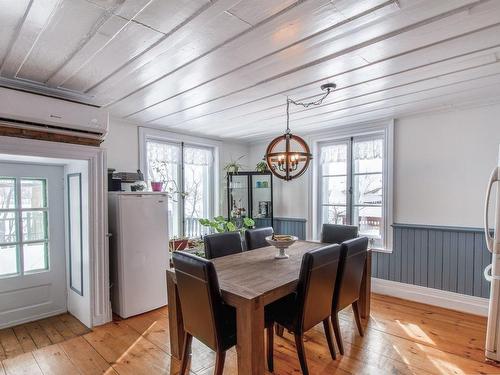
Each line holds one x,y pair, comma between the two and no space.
98,220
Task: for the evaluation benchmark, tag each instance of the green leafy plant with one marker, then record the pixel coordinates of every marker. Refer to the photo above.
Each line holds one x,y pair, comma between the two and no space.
219,224
261,167
234,165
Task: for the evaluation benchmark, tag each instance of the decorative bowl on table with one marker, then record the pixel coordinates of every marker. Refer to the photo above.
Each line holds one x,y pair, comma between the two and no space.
281,242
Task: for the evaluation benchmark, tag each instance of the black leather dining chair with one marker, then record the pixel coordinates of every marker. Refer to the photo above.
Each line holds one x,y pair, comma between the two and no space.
256,238
309,305
222,244
204,314
334,233
348,283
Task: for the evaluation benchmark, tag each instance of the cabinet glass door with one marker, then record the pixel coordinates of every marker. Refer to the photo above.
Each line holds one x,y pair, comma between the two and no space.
261,196
238,189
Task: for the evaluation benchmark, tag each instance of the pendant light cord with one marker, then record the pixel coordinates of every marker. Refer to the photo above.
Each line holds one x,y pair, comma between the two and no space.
303,104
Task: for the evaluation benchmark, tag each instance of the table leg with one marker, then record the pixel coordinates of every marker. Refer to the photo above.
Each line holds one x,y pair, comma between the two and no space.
175,324
366,288
250,332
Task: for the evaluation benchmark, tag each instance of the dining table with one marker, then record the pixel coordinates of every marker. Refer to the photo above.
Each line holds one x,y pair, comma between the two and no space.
249,281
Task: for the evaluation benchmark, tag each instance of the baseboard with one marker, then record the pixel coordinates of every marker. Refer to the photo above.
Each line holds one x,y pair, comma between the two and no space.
430,296
33,318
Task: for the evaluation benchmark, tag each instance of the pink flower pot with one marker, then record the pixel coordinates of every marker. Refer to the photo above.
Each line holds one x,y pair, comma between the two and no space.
156,186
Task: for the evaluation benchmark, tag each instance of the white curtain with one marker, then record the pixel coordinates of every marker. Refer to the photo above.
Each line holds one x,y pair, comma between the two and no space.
198,156
334,154
158,151
370,149
162,159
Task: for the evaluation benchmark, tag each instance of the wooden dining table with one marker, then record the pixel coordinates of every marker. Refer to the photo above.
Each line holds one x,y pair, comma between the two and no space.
249,281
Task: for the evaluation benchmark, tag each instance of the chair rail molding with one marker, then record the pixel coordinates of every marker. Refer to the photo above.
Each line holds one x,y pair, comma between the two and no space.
98,218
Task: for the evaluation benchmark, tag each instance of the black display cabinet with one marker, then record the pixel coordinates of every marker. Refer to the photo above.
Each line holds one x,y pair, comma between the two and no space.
250,194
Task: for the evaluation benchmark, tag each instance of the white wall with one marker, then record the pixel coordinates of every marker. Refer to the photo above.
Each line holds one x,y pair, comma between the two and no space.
122,145
442,163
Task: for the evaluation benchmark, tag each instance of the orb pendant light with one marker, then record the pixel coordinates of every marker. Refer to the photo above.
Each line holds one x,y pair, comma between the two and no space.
288,156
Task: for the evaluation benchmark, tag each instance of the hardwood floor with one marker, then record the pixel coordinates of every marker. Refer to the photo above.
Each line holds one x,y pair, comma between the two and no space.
401,337
28,337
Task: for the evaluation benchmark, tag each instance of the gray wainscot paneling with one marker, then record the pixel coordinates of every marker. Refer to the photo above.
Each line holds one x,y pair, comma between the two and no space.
446,258
285,225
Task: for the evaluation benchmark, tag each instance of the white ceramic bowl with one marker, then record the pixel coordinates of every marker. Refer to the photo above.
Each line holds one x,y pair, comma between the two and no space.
281,245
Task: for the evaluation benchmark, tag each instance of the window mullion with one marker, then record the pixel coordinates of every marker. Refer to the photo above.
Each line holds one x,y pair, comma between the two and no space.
350,170
181,196
20,239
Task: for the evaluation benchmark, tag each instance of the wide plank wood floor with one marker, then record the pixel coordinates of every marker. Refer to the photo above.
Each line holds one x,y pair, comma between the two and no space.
401,337
28,337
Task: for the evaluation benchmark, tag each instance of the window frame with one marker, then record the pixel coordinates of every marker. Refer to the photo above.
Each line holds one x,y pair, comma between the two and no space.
384,130
18,211
183,141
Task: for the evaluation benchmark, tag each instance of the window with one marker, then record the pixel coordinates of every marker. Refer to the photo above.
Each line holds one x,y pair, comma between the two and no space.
352,184
187,174
24,237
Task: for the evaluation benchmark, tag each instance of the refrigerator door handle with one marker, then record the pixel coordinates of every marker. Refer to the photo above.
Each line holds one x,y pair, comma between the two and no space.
489,239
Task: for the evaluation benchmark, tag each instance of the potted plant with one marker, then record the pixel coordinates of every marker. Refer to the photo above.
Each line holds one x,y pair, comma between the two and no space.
161,181
261,167
158,174
219,224
178,243
137,187
234,165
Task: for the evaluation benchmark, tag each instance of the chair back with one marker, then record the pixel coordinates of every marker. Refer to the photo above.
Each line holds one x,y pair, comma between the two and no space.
316,285
333,233
350,274
256,238
200,297
222,244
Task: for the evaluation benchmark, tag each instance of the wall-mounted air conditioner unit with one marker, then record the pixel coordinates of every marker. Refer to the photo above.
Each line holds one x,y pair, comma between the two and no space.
37,112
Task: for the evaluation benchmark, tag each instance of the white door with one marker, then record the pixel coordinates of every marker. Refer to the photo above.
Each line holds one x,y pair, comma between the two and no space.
77,241
32,251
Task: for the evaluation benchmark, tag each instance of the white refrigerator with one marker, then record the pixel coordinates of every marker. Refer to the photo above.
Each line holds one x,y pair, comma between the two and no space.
139,253
492,272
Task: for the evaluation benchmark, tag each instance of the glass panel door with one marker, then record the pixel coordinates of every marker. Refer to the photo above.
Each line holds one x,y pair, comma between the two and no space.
186,172
164,165
198,187
238,191
261,197
368,187
334,183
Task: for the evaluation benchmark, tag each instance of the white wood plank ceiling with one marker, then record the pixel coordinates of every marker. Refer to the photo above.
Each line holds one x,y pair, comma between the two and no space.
223,68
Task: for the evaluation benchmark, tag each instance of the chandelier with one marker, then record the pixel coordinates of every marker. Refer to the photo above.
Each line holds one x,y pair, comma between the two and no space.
288,155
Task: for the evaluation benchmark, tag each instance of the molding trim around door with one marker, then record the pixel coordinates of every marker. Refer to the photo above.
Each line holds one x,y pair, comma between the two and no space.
430,296
98,217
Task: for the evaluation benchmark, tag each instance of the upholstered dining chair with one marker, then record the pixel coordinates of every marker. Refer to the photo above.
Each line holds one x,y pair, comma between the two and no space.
348,283
222,244
334,233
309,305
204,314
256,238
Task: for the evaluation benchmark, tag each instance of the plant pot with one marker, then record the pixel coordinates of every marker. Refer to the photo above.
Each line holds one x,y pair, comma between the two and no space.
156,186
180,244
